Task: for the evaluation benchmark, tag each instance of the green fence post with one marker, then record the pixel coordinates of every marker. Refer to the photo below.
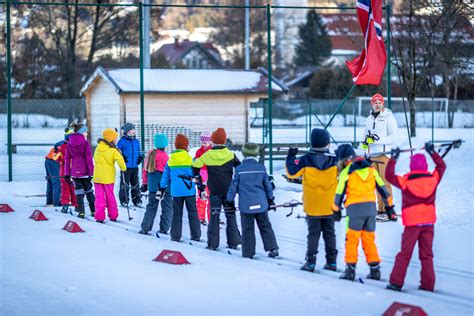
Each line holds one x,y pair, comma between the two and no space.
8,73
355,124
389,63
432,117
310,119
270,79
142,96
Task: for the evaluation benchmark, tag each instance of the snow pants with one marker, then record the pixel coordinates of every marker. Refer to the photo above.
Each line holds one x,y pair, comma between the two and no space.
68,197
177,220
105,198
411,235
248,233
380,164
131,180
324,225
204,207
84,187
361,228
53,186
152,208
232,230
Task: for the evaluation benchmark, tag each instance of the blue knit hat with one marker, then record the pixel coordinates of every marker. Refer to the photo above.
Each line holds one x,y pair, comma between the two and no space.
345,151
161,141
319,138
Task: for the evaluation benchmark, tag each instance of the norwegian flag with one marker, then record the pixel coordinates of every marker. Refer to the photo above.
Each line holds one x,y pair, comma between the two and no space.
368,68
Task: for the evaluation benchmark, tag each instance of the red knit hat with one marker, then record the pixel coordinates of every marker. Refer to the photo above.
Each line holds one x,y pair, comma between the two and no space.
219,137
418,163
181,142
377,97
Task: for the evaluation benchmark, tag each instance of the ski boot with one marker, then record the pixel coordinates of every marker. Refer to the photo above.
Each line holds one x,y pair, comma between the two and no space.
162,231
138,204
203,222
76,209
99,221
211,248
374,271
65,209
81,215
143,232
392,216
273,253
330,267
236,247
310,264
349,273
123,204
393,287
92,213
113,220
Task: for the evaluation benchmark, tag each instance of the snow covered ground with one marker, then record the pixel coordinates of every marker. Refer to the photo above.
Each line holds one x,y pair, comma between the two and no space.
109,269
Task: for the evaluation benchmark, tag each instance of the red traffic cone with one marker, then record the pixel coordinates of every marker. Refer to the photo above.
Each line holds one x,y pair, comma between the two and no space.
38,216
5,208
73,227
171,257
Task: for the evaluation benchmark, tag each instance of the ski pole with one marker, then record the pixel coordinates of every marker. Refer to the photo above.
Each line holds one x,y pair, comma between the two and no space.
449,145
122,176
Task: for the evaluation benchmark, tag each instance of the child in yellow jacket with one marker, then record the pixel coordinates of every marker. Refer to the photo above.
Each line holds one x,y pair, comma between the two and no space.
357,183
105,156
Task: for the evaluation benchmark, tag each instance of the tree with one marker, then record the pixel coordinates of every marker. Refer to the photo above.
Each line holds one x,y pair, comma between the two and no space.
422,30
230,35
314,43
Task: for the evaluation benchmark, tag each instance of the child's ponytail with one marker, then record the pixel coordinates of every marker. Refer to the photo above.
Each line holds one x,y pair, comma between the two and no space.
151,164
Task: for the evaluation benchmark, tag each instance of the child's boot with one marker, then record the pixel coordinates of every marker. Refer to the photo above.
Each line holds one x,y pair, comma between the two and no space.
310,263
374,271
349,273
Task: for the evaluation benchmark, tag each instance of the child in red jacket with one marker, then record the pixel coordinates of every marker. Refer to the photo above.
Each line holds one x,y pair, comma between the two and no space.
418,215
203,205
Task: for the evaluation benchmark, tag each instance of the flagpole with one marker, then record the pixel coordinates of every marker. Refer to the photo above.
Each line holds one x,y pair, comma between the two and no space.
340,106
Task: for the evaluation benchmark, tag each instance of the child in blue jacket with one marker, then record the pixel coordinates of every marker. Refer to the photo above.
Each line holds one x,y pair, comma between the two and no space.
252,184
179,171
130,148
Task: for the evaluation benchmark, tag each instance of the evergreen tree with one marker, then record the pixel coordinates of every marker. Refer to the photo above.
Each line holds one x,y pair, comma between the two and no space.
314,45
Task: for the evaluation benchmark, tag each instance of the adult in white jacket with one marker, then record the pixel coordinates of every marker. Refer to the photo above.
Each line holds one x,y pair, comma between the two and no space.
380,134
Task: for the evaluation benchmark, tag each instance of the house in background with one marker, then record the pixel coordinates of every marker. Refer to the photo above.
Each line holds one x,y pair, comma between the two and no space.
186,101
191,55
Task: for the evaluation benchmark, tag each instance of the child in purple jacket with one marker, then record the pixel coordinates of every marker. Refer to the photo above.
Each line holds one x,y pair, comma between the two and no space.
78,165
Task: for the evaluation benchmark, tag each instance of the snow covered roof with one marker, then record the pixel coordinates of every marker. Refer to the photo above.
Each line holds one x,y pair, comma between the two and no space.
127,80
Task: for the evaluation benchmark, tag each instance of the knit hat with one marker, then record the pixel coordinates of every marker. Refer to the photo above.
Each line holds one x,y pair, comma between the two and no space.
161,141
181,142
127,127
319,138
219,136
82,130
376,97
250,150
68,133
418,163
109,134
206,136
345,151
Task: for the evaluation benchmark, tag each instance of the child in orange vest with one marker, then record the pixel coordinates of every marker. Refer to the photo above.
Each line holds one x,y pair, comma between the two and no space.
358,182
418,215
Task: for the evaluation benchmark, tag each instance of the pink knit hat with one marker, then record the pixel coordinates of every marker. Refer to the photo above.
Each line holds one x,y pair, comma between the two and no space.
206,136
418,163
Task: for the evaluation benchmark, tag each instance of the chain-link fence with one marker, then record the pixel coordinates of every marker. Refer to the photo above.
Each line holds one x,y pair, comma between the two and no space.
266,73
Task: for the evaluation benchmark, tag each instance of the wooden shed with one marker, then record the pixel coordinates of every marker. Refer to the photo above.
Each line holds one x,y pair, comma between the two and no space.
176,100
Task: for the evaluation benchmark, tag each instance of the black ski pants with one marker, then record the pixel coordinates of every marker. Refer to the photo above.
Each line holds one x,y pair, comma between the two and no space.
131,180
248,233
324,225
232,230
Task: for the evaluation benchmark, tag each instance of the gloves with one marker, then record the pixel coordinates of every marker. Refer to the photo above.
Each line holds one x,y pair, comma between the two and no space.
337,216
271,204
125,159
395,153
161,193
230,205
139,160
67,178
429,147
293,151
144,188
390,211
